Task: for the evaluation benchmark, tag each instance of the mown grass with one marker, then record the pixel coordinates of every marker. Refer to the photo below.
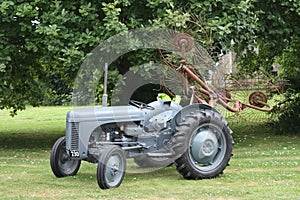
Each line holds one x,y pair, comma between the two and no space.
264,166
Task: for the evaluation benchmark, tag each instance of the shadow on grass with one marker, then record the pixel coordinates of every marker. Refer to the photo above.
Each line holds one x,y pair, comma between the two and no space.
243,134
42,140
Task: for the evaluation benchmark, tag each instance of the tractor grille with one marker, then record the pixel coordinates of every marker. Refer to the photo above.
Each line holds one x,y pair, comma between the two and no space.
74,135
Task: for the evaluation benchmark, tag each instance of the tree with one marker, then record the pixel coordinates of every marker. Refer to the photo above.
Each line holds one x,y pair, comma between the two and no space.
278,39
42,44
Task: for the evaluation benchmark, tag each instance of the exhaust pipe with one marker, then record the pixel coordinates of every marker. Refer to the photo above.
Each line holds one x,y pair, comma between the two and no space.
104,96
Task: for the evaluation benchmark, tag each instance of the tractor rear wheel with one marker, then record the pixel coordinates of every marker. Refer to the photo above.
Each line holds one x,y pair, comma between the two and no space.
206,142
111,167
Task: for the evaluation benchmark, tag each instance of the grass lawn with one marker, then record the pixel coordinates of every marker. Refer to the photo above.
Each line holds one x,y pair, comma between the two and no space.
264,166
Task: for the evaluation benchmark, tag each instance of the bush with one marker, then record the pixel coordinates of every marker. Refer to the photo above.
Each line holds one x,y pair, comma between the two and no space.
286,114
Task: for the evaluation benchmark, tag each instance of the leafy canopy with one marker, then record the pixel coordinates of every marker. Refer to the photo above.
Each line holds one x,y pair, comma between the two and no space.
42,44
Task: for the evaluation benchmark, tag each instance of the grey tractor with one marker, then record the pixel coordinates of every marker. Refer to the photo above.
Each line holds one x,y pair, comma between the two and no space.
195,138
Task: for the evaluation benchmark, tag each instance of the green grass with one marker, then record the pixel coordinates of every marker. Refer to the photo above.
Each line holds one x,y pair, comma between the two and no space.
264,166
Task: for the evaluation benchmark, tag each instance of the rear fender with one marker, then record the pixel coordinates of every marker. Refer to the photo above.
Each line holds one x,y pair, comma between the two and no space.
188,110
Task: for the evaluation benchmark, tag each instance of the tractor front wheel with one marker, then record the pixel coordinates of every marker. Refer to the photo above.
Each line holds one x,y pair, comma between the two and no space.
111,167
206,142
61,163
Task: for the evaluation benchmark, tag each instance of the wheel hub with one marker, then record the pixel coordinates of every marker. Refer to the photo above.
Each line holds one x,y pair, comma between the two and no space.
204,146
64,158
114,169
208,147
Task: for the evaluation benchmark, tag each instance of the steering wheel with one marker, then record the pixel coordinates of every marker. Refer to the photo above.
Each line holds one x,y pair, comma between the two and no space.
140,105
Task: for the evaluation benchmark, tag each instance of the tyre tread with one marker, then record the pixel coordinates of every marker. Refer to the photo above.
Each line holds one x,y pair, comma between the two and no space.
182,135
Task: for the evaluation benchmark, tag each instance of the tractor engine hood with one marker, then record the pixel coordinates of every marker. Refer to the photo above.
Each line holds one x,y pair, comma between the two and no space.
106,114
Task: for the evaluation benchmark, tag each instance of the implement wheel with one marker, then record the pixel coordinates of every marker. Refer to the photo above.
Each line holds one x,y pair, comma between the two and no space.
258,99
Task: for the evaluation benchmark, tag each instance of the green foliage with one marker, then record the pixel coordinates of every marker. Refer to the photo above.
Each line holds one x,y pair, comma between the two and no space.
287,114
278,41
290,62
43,44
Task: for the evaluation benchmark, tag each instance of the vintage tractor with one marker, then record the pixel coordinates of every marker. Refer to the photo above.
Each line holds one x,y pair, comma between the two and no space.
196,138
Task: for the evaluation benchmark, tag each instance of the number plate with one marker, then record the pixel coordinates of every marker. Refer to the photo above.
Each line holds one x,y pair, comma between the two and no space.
74,154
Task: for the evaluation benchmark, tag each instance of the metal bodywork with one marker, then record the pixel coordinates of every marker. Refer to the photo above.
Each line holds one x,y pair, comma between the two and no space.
132,121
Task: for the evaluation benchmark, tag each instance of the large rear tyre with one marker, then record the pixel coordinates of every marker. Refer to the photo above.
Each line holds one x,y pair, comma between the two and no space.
61,163
111,167
206,141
